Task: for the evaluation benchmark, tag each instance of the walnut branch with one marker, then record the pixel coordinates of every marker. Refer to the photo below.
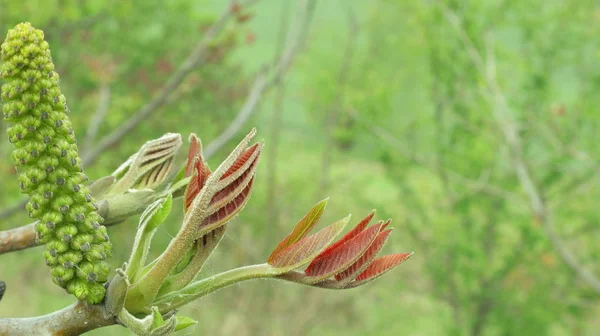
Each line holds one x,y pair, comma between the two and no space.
75,319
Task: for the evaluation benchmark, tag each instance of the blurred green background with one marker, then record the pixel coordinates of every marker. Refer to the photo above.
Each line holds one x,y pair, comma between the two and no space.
436,113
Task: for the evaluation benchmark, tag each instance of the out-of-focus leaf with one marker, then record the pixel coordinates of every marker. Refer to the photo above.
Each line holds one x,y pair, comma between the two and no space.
301,229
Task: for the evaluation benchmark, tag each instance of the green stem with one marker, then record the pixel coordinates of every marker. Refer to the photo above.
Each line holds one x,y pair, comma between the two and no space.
145,290
202,287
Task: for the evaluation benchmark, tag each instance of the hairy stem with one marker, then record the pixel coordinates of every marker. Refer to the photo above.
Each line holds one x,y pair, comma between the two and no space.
205,286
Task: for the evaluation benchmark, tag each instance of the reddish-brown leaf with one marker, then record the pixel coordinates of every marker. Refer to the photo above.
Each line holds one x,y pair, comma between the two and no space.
200,174
228,211
333,261
193,188
301,229
241,160
302,251
386,224
234,187
363,262
352,233
379,267
194,152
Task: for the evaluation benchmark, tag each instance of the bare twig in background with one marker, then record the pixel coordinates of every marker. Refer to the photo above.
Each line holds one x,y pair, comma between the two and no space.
195,58
24,237
507,125
12,209
337,103
275,132
261,85
476,186
98,117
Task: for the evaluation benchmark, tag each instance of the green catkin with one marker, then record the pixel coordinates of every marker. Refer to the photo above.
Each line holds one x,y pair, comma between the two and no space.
50,170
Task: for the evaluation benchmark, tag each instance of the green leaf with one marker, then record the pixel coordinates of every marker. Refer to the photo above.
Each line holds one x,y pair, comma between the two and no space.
154,215
184,322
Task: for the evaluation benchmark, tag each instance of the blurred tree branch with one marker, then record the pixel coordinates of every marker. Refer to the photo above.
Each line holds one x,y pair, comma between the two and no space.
338,101
194,59
24,237
98,117
502,114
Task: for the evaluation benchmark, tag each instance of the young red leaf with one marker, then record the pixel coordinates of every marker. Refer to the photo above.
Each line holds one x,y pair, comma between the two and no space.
243,175
363,262
228,211
352,233
304,250
301,229
200,174
379,267
204,214
194,152
333,261
198,169
242,160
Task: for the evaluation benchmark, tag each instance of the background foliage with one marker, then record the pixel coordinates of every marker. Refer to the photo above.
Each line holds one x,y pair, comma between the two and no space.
393,105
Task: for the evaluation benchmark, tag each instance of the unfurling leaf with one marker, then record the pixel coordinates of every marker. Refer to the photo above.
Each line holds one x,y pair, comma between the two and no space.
301,229
363,262
150,166
333,261
351,234
379,267
154,215
225,191
307,248
194,152
198,169
232,191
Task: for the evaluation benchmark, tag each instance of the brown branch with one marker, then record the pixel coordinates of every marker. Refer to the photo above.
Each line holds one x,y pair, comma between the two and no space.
17,239
73,320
